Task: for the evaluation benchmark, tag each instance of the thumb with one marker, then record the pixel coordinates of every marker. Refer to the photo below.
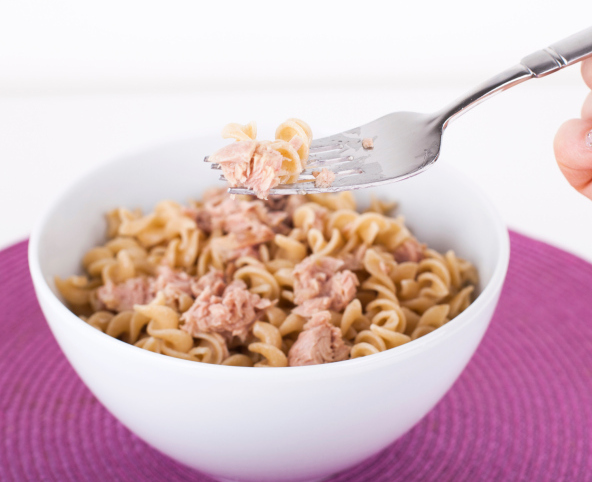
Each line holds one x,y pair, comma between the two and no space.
573,151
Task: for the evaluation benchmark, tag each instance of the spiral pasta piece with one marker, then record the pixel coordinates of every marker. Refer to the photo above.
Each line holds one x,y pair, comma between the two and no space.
460,301
387,328
322,247
433,318
259,280
292,164
240,132
211,348
269,346
290,249
238,360
309,216
353,320
128,323
334,202
296,128
75,289
163,333
342,219
379,206
292,324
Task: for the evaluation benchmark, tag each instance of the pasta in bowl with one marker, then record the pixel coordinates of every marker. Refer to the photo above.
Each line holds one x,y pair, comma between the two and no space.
291,423
292,281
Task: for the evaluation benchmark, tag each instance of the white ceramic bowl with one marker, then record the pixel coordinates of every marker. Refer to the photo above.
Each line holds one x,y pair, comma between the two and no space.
281,424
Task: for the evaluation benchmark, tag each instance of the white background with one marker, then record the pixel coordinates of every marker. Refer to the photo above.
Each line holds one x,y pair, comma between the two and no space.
81,82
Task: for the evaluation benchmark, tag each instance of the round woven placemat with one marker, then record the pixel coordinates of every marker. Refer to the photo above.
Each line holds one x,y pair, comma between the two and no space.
522,410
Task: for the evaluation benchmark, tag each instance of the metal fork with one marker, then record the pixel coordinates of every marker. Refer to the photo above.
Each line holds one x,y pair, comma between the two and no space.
407,143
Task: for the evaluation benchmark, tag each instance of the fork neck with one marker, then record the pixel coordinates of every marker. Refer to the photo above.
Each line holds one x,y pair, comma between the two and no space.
513,76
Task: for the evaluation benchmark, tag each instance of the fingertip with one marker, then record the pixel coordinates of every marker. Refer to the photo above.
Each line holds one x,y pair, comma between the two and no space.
573,151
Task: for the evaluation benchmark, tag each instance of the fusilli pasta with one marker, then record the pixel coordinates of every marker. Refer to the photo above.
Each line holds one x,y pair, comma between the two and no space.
289,281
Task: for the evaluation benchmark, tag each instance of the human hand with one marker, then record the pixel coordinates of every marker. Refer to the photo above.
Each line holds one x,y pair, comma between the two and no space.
573,143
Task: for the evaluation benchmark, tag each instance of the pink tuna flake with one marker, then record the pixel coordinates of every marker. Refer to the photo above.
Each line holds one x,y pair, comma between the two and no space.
123,296
250,164
323,178
214,281
409,250
233,216
235,160
249,231
368,143
355,261
284,205
320,342
319,285
231,314
267,163
248,252
173,284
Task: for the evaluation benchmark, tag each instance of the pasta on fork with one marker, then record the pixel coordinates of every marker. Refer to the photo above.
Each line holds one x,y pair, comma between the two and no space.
263,165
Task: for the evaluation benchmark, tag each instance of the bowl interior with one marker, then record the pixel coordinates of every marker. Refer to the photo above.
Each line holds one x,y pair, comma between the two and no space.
441,206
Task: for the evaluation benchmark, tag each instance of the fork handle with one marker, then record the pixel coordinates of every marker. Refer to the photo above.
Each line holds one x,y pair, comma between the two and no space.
566,52
538,64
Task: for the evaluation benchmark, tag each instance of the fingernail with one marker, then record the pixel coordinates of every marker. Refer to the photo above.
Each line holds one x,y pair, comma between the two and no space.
589,139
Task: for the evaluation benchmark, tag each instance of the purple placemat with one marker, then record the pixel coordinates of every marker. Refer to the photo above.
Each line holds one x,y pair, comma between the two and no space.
522,410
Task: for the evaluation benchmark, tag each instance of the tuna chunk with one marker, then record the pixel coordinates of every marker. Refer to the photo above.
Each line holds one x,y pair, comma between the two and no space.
343,289
319,285
247,230
230,249
323,178
203,220
123,296
202,214
231,314
233,246
231,216
253,211
312,306
355,261
320,342
265,169
312,275
250,164
235,161
247,224
409,250
172,283
248,252
368,143
214,281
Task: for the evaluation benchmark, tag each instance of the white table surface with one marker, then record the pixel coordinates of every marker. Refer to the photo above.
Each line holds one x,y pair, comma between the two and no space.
505,144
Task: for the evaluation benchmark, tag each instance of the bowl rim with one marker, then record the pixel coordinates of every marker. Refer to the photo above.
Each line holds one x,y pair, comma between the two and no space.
43,290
